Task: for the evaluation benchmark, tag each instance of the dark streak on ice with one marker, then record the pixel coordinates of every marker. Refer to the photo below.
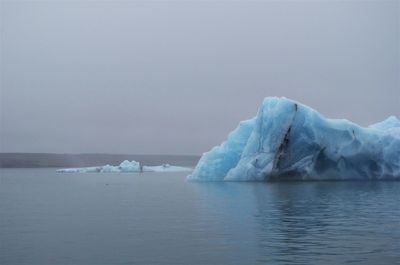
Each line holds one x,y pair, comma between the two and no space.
283,145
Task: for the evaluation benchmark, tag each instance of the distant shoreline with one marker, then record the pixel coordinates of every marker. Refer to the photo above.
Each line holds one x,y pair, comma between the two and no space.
39,160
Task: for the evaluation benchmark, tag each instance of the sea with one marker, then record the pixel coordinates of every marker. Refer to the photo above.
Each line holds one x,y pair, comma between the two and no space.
161,218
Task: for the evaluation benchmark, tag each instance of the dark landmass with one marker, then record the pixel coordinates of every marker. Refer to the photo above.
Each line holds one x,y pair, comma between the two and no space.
36,160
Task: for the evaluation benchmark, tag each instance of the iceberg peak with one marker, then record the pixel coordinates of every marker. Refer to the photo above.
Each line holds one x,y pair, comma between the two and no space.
288,140
391,123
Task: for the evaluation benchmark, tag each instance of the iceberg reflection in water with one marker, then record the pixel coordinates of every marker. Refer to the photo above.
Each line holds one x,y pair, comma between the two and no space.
326,222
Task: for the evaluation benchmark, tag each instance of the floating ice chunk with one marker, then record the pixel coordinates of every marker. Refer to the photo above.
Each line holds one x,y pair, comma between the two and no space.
288,140
109,169
126,166
130,166
80,170
166,168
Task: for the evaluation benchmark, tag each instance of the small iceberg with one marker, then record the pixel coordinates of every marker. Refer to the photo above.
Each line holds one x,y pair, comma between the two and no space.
290,141
126,167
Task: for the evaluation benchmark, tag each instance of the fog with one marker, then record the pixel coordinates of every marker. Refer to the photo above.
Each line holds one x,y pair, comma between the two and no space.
174,77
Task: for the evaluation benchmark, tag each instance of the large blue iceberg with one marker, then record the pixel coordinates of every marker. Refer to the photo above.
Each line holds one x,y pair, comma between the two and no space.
290,141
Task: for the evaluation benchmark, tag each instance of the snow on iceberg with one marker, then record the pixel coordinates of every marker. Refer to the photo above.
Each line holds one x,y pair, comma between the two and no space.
290,141
125,166
81,170
130,166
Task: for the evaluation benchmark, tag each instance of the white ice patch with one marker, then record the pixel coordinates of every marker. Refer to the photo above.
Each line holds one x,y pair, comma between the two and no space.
125,166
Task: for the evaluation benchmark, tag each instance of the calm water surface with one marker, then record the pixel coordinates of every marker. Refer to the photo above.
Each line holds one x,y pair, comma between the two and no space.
156,218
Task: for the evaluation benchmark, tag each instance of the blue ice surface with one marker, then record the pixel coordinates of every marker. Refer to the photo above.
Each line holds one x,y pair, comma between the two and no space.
290,141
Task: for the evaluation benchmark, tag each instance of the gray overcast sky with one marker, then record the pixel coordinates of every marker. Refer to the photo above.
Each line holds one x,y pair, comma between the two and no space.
177,77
